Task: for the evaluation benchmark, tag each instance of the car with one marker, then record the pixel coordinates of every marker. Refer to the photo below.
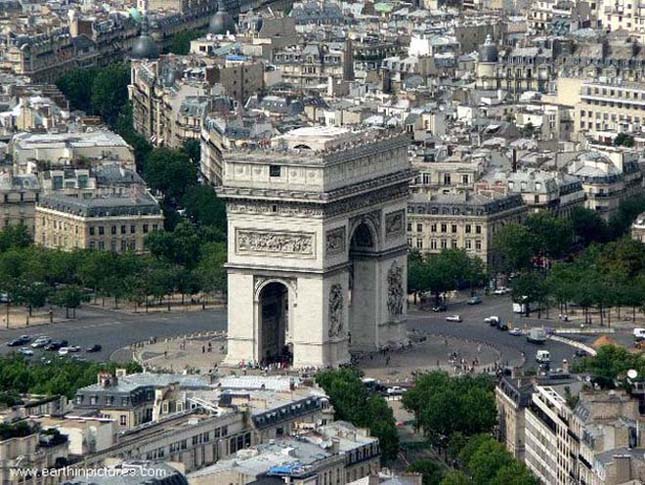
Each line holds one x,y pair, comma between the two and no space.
26,351
502,326
580,353
454,318
74,348
502,290
40,342
515,331
19,342
475,300
439,308
94,348
63,351
395,391
56,344
493,320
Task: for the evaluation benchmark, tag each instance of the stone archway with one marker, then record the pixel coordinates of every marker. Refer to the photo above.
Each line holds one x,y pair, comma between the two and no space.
363,286
273,323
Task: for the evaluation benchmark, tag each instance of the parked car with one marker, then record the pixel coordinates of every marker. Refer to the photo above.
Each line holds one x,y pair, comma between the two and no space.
56,344
516,332
74,348
493,320
26,351
580,353
395,391
40,342
439,308
454,318
20,341
94,348
63,351
501,290
475,300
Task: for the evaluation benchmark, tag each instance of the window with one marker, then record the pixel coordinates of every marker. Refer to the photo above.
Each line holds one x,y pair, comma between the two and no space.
444,244
101,245
113,230
145,228
468,228
419,227
478,245
409,227
155,227
454,228
433,244
469,244
274,170
123,229
433,228
123,420
444,227
101,230
464,179
453,244
478,229
419,243
91,231
446,179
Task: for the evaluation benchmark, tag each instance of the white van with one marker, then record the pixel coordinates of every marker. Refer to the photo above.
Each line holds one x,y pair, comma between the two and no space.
543,356
639,333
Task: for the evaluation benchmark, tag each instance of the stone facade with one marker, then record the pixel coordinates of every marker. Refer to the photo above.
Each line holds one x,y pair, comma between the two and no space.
116,224
316,245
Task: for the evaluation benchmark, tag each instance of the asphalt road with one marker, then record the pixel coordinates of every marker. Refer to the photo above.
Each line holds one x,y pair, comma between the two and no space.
115,330
474,328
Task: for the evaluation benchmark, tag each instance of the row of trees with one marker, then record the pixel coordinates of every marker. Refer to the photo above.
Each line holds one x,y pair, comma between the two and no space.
458,415
610,365
60,376
352,402
187,261
439,273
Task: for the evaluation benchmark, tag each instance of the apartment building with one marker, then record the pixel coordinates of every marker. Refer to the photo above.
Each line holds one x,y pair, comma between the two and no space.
461,221
638,228
109,223
18,197
608,108
513,396
311,65
605,183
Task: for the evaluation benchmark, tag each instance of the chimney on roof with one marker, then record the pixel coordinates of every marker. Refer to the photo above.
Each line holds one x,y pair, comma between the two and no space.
514,160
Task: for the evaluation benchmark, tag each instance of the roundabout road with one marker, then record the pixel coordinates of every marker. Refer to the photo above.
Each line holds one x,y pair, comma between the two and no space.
114,330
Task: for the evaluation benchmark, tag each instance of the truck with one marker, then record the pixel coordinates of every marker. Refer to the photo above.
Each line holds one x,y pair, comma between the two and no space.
543,357
536,336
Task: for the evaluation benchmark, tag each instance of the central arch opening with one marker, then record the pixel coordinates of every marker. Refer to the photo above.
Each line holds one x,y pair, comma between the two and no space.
362,297
274,323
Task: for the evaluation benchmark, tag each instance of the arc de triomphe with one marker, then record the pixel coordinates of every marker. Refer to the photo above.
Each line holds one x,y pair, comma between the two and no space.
316,245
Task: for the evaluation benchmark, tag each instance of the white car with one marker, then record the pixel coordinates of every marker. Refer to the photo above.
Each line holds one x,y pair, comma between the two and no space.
502,290
515,331
63,351
73,348
453,318
40,342
492,320
26,351
395,391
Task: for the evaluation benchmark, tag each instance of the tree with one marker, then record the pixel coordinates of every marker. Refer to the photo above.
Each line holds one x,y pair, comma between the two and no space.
69,297
352,403
210,271
624,139
76,85
432,472
14,236
204,208
445,405
182,246
180,43
515,473
588,226
193,149
514,248
170,172
455,477
610,363
489,458
110,92
529,287
551,236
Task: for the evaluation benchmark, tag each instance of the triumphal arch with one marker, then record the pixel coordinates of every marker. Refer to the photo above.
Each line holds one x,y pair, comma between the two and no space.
316,245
